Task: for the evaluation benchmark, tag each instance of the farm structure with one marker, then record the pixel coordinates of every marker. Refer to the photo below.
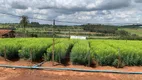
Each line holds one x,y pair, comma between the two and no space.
7,33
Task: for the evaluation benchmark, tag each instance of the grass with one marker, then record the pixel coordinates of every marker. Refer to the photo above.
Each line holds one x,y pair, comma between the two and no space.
137,31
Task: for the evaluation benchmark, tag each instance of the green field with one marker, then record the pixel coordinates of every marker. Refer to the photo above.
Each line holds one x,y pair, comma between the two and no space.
116,53
137,31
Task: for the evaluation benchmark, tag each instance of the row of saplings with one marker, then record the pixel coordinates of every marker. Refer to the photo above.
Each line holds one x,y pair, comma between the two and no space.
62,54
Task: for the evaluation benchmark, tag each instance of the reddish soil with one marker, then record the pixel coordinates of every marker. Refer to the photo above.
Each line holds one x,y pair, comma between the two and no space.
16,63
25,74
127,68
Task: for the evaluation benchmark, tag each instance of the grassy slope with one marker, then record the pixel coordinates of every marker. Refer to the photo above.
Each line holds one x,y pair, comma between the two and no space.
137,31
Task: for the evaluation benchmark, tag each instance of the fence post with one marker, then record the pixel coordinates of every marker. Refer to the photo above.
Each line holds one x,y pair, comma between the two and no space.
69,34
89,57
119,59
53,42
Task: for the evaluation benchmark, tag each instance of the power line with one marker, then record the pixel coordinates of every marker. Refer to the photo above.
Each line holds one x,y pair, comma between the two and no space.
21,16
43,19
10,14
71,22
40,19
74,22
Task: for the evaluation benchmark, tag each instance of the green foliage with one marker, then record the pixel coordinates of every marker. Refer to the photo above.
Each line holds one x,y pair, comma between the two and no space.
123,34
10,49
23,48
35,50
80,53
118,53
34,24
100,28
130,52
137,31
118,64
24,21
104,54
61,51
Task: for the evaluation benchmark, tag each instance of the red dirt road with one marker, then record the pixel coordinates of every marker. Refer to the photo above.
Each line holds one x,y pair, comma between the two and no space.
25,74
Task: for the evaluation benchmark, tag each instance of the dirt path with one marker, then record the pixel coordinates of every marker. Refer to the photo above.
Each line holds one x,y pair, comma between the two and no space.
25,74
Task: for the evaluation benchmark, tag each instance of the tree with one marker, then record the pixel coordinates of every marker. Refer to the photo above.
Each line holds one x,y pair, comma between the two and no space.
35,24
122,33
24,22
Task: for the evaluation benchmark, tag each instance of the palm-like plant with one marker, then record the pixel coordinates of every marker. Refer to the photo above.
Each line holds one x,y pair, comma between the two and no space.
24,22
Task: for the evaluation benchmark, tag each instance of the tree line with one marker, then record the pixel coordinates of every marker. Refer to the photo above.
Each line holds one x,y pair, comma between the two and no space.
100,28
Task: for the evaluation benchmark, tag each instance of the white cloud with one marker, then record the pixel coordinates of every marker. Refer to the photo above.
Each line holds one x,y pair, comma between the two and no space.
95,11
138,1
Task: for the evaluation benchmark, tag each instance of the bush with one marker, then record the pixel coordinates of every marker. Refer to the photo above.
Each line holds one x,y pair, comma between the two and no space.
10,49
35,51
80,53
61,52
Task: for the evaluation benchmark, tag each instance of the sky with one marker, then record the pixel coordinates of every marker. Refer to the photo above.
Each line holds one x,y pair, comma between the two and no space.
87,11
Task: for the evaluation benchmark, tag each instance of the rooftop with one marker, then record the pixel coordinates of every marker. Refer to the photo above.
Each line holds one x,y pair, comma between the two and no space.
4,31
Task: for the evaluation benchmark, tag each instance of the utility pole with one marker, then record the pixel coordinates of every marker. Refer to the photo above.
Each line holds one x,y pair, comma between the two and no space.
69,34
53,32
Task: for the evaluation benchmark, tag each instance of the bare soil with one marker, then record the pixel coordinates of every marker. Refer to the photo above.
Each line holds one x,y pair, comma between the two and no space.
25,74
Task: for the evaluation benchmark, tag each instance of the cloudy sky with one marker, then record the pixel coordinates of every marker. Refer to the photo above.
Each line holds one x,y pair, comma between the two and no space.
89,11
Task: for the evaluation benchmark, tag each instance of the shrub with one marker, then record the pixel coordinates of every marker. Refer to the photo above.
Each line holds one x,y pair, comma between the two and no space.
61,52
35,50
80,53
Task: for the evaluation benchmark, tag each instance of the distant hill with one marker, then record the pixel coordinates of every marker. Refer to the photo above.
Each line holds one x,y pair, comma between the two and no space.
132,26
